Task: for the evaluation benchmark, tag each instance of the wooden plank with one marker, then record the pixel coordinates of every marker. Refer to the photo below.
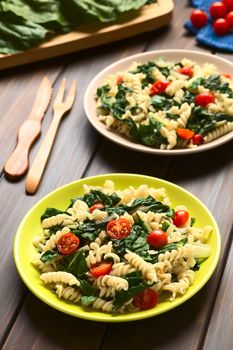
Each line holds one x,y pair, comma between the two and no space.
94,34
69,160
219,333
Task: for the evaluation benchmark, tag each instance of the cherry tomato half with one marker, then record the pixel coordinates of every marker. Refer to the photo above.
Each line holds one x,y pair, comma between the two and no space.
157,238
229,18
118,229
198,139
159,87
198,18
221,26
101,269
186,71
68,243
204,98
185,134
180,218
96,206
228,4
145,300
218,10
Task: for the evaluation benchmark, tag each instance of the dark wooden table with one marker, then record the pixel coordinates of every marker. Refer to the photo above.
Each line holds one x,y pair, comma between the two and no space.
205,321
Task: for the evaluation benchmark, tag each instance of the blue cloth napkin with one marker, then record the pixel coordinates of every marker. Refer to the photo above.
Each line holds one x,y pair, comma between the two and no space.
206,35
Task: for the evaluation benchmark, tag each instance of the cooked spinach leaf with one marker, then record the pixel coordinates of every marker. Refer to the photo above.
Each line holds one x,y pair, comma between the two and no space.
150,135
51,212
48,256
77,265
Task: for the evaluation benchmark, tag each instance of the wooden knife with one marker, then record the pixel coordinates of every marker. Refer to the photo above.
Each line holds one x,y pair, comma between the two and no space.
17,164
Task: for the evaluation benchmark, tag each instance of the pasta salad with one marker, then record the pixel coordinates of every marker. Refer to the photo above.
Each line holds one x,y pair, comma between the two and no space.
168,105
118,251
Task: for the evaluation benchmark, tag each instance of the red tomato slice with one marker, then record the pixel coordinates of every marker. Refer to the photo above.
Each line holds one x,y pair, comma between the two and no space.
68,243
204,98
198,139
118,229
198,18
221,26
180,218
185,134
186,71
157,239
218,10
96,206
101,269
146,300
159,87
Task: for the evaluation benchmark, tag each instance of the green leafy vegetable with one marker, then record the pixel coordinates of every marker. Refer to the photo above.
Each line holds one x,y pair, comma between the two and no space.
48,256
150,135
77,265
52,212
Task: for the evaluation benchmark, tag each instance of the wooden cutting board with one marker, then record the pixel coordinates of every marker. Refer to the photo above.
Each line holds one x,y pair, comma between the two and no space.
148,18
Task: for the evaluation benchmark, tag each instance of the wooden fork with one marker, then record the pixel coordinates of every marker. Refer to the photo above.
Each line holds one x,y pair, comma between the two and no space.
59,109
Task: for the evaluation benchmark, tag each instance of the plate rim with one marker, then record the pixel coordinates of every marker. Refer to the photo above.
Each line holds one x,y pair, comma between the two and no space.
120,140
104,317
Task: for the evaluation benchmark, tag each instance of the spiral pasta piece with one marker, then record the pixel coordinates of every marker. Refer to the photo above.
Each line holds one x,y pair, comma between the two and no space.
147,269
59,277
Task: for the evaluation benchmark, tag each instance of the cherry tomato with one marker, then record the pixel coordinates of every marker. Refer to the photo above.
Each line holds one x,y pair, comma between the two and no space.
159,86
228,4
180,218
204,98
118,229
198,139
101,269
186,71
96,206
218,10
157,238
227,76
229,18
199,18
221,26
185,134
68,243
146,300
119,79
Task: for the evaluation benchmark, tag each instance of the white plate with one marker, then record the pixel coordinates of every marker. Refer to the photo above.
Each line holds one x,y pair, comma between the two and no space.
223,66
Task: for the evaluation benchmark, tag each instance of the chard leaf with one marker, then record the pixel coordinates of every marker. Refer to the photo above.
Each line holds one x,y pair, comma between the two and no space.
150,134
48,256
52,212
18,34
123,296
87,288
77,265
88,300
96,196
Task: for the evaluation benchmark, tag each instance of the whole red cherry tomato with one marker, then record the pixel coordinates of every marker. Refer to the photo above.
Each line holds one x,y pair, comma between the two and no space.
146,300
68,243
228,4
96,206
229,18
118,229
221,26
157,238
198,18
159,87
101,269
204,98
180,218
197,139
186,71
218,10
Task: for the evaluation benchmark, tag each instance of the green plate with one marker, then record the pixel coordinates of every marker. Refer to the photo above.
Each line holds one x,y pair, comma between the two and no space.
60,198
